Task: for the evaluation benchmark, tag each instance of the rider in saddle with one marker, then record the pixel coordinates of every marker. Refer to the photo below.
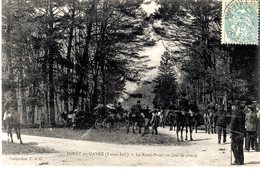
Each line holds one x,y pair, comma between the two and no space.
137,109
119,110
184,104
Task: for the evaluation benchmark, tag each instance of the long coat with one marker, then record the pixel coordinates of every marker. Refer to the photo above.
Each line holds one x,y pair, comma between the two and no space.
237,125
221,118
251,121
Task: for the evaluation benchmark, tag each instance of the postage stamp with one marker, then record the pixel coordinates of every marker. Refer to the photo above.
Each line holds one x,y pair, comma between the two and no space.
240,22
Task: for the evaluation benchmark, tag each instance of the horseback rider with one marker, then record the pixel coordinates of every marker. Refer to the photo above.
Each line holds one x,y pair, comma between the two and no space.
148,117
137,109
119,110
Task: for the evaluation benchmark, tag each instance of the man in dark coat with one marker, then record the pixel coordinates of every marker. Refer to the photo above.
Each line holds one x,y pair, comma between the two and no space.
221,123
237,128
251,126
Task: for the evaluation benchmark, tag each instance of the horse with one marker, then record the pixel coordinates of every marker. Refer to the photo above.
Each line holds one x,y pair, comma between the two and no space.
148,117
184,119
210,119
12,122
135,118
195,110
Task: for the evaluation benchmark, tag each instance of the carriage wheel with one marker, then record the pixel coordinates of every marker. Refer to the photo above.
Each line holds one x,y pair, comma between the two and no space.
98,124
107,125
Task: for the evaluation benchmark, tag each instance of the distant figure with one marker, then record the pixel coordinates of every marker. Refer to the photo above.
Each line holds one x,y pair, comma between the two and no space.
138,107
41,121
155,122
221,124
251,126
119,110
64,118
237,128
73,119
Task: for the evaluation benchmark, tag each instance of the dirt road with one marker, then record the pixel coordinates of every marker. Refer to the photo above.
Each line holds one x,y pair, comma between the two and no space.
203,151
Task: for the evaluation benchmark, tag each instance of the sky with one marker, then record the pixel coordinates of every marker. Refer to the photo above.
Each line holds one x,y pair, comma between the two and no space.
154,53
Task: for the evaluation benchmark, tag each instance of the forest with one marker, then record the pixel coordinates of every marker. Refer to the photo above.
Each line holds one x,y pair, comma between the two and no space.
61,54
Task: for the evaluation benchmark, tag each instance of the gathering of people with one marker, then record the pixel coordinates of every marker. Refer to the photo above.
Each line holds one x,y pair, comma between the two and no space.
244,128
243,125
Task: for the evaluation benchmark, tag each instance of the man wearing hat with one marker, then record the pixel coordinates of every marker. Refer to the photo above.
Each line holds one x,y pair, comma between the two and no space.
251,126
237,128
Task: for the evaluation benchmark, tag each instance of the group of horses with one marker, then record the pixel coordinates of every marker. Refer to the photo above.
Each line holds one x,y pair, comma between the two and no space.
184,118
180,119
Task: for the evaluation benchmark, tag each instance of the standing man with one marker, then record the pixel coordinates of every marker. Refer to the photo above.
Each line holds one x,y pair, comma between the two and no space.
221,123
251,125
237,128
155,122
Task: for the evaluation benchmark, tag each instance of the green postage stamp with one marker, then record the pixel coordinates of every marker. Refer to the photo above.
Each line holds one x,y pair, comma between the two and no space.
240,22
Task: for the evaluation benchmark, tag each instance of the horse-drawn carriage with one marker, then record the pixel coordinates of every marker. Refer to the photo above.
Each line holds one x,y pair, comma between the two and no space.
109,117
77,119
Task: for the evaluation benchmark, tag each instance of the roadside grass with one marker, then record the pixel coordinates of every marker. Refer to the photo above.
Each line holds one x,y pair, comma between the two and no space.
26,148
118,136
64,133
121,137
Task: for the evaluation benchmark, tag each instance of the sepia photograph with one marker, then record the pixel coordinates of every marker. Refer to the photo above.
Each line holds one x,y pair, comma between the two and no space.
130,83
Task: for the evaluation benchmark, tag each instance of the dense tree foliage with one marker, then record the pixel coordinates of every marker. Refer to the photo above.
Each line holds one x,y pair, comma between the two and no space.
62,54
210,71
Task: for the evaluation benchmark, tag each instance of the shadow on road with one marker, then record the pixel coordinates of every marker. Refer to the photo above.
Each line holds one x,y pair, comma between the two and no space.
26,148
31,143
201,139
253,162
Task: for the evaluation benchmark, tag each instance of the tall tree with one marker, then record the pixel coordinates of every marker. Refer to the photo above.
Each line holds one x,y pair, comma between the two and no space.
165,83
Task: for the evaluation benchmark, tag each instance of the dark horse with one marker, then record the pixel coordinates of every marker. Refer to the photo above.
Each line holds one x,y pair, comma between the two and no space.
195,111
135,118
184,118
12,122
171,116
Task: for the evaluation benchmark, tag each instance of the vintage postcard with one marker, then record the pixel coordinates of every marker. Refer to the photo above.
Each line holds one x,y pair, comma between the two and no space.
130,83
